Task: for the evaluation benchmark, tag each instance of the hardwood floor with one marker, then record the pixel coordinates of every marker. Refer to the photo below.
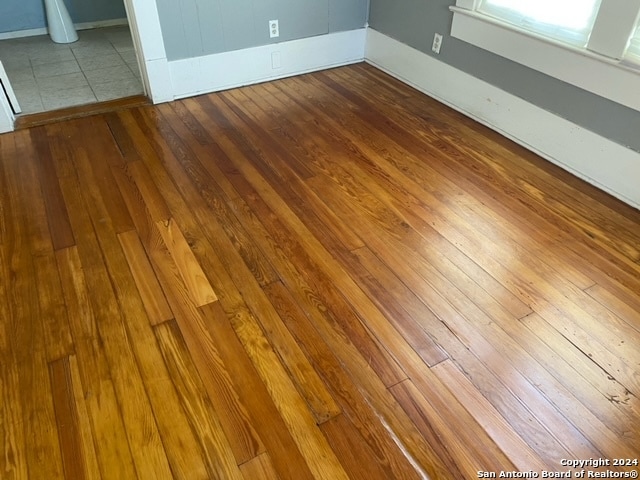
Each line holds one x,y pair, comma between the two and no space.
330,276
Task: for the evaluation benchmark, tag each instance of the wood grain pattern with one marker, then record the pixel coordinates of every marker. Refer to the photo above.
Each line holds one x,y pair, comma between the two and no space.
155,302
204,421
327,276
195,280
107,427
235,420
68,419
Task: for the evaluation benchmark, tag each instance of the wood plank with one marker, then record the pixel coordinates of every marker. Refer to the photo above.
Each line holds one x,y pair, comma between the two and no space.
577,368
53,312
594,226
377,282
319,282
462,457
107,427
357,457
240,262
394,253
13,461
362,396
13,450
292,358
513,446
623,304
235,420
24,326
199,175
258,371
148,285
90,456
359,135
175,446
259,467
489,186
104,154
67,419
195,280
59,225
203,419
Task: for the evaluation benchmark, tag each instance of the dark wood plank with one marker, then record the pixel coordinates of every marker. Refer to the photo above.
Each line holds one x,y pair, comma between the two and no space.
67,419
61,233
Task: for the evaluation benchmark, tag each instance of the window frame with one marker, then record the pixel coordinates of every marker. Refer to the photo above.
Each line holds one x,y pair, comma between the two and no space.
598,68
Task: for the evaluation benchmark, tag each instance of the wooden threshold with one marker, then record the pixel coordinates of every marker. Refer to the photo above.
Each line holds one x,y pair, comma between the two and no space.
44,118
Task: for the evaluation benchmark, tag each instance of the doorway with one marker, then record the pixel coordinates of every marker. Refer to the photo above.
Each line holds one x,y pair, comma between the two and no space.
45,76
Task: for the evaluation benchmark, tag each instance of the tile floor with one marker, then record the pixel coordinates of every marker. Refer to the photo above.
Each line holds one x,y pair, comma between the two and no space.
45,75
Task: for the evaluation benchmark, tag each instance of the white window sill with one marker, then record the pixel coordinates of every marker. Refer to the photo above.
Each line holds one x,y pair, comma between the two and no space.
612,79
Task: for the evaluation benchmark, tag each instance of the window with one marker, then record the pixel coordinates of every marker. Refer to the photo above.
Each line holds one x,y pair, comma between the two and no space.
633,50
592,44
569,20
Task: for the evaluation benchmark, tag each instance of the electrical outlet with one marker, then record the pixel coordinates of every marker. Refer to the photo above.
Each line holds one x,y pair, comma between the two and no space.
437,43
274,29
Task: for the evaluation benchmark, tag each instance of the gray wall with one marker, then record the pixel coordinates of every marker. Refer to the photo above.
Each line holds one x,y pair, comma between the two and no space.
193,28
414,22
16,15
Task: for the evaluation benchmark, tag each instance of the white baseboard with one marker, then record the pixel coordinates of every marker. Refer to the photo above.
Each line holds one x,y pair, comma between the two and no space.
596,159
222,71
79,26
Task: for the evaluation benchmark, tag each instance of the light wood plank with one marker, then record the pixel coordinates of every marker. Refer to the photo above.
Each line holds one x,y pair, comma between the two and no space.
107,427
151,293
195,280
259,467
205,423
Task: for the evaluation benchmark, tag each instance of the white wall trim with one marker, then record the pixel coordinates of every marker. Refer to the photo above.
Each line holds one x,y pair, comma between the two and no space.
596,159
78,26
7,116
222,71
146,32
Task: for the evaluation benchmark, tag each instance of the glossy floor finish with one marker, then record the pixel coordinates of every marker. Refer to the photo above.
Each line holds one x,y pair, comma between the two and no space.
330,276
46,76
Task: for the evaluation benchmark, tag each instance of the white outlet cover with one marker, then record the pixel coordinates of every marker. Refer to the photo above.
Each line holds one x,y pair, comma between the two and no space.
274,29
